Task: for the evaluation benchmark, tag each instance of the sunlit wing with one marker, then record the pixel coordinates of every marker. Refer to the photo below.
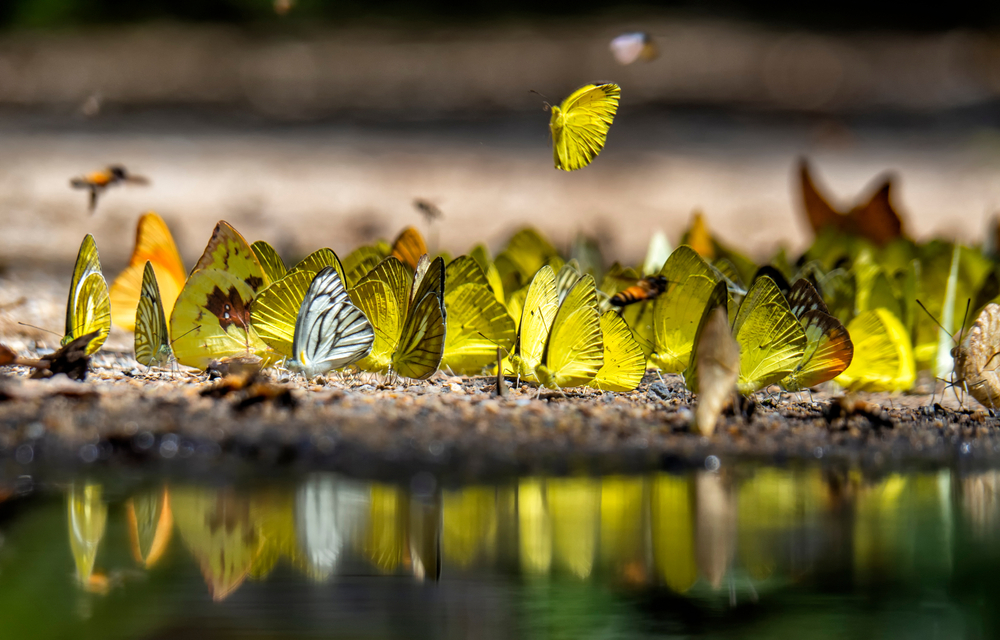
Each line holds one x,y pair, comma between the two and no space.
580,125
154,244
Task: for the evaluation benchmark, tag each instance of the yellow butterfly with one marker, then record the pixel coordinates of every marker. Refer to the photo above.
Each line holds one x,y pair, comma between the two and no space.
408,317
829,349
883,354
580,124
153,244
152,338
477,322
275,309
539,309
359,262
211,319
526,253
772,342
269,260
89,306
624,364
88,518
678,311
574,350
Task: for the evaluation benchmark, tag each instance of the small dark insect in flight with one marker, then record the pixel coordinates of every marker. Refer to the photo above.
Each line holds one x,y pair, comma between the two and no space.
645,289
427,209
98,181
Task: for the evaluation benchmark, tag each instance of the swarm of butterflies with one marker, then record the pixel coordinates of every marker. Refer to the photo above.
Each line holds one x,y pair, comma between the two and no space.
844,310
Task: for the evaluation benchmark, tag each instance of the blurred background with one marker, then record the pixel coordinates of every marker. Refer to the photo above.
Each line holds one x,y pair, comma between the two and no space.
311,123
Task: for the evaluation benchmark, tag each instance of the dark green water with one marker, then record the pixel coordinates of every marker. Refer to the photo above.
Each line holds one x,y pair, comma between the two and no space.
744,552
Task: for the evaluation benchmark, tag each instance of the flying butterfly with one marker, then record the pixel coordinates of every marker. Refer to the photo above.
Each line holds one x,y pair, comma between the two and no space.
211,318
152,337
647,288
828,350
88,308
883,354
408,316
580,124
153,244
574,347
96,183
633,46
427,209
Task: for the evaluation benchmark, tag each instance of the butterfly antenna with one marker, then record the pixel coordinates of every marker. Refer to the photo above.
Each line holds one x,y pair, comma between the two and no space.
548,107
935,320
25,324
965,316
184,334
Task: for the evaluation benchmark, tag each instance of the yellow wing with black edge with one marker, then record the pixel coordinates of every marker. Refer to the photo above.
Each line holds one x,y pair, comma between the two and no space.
624,364
883,354
211,318
383,296
152,337
580,124
270,261
772,342
539,309
678,311
574,352
154,244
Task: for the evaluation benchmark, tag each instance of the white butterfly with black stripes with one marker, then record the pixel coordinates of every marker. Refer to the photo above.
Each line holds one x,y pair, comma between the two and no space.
330,332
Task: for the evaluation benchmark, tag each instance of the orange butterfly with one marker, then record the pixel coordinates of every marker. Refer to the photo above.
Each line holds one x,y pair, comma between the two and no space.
875,220
408,247
153,242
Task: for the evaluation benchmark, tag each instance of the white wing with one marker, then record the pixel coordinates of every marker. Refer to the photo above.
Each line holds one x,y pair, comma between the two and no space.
330,332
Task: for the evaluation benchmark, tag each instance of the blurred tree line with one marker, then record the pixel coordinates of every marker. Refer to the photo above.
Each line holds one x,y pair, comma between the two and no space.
846,14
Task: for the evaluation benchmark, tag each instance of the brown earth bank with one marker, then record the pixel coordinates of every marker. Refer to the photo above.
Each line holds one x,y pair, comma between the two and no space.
368,426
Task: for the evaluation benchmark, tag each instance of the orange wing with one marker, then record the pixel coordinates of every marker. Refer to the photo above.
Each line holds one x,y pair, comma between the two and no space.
408,247
153,242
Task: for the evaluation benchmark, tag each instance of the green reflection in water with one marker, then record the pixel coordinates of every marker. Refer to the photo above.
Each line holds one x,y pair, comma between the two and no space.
538,557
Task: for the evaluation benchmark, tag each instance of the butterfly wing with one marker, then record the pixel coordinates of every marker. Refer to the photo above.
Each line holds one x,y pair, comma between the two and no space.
580,125
227,250
421,345
977,365
91,313
476,325
330,332
716,359
574,352
540,306
678,311
152,338
359,262
828,351
818,211
275,309
883,354
383,296
772,342
318,260
803,297
87,262
567,276
624,364
154,244
270,261
718,298
462,271
408,247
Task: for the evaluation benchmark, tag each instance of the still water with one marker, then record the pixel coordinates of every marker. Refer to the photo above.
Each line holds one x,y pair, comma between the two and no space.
746,552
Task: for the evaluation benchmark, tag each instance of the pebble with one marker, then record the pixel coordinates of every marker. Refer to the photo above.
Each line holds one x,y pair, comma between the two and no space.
659,391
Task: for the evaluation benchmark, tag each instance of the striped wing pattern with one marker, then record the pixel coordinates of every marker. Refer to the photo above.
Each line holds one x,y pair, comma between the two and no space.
152,340
580,125
330,332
